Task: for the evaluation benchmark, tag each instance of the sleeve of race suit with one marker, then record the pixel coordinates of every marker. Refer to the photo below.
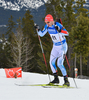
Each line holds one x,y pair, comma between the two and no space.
63,30
43,32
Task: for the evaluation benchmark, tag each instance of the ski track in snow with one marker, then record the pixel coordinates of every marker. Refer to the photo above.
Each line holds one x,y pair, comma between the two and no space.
9,91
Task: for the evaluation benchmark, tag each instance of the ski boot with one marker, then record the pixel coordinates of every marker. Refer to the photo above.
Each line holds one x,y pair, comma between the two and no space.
66,82
56,80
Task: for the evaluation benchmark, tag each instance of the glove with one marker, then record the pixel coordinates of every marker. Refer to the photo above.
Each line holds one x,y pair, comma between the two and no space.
36,27
57,28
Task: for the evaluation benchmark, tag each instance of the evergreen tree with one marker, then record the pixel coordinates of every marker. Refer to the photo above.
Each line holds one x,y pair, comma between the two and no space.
10,27
3,52
30,33
81,37
51,7
19,48
28,25
78,7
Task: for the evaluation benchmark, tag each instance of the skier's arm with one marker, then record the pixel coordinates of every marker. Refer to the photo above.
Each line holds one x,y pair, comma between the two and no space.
43,32
62,30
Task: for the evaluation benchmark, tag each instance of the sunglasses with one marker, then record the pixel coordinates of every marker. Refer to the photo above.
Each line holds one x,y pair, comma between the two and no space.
47,22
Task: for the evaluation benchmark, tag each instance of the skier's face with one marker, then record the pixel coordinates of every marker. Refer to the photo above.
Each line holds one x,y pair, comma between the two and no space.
49,23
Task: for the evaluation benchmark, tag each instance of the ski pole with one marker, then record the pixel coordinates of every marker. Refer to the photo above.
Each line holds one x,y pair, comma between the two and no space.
66,57
70,68
44,58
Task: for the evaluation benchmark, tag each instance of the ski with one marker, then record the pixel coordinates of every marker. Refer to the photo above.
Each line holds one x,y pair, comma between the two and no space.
45,85
57,86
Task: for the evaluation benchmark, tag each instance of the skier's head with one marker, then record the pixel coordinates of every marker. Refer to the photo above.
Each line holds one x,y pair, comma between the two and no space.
49,19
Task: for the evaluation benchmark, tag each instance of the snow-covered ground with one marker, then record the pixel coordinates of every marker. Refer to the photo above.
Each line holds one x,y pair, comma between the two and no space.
9,91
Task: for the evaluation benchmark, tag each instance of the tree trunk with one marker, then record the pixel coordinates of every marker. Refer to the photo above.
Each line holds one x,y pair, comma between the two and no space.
80,65
88,67
74,64
75,61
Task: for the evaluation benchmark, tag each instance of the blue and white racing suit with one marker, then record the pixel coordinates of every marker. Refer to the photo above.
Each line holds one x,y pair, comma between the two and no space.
59,46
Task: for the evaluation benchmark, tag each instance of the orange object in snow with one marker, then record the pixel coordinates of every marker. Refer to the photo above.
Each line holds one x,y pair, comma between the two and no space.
13,72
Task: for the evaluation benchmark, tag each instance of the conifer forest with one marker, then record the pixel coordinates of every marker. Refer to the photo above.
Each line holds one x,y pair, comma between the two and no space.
20,47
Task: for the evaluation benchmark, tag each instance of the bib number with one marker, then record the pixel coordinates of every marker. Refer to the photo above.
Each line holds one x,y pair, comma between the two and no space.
54,37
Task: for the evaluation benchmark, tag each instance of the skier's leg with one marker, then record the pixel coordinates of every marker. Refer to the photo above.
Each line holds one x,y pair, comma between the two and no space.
61,66
52,63
63,70
53,58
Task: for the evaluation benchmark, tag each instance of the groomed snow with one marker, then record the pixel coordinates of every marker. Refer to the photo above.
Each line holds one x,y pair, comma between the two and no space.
9,91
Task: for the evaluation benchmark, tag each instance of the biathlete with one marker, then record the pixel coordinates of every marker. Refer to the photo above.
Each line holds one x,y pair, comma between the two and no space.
57,33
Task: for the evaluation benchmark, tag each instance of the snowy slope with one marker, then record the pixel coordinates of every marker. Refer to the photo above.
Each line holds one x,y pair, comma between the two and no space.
18,4
9,91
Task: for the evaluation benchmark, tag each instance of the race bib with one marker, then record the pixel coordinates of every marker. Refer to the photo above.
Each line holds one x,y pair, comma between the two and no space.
57,37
